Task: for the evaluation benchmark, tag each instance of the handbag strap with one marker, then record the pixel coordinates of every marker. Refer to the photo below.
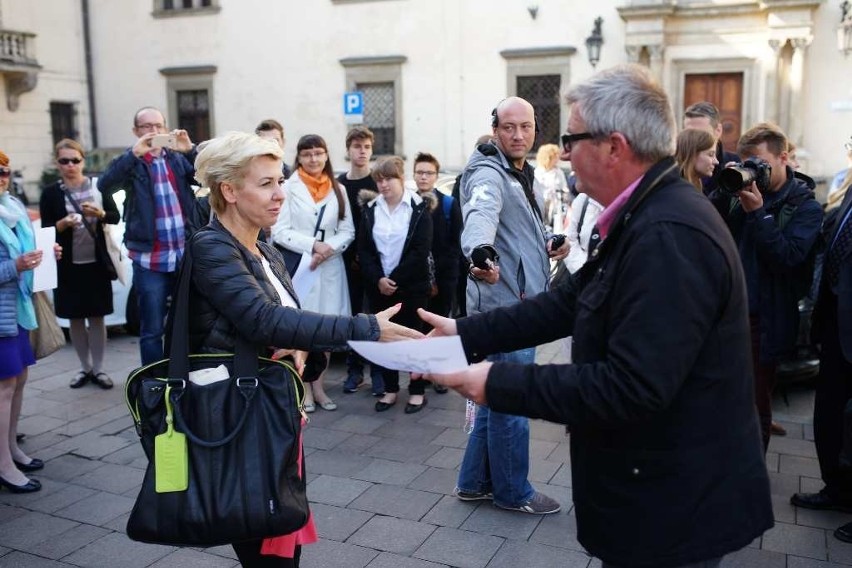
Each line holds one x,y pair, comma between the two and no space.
245,354
247,389
79,210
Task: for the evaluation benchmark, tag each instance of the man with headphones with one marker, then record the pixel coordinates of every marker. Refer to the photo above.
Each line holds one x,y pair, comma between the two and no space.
510,250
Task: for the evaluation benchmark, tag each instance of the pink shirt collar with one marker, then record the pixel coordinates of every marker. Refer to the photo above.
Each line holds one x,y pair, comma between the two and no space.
608,215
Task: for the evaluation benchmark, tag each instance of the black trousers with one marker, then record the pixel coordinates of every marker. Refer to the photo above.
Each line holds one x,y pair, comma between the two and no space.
250,557
764,383
834,389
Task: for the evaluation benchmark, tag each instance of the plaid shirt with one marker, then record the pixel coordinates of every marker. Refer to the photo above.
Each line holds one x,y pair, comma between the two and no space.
169,235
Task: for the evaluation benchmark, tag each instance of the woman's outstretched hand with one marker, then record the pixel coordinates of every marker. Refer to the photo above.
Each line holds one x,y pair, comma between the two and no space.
390,331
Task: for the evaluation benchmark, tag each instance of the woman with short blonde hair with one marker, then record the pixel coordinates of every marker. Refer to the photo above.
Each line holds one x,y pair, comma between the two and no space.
240,288
550,186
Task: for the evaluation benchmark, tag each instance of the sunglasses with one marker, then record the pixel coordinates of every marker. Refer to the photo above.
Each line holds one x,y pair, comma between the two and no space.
66,161
5,172
568,139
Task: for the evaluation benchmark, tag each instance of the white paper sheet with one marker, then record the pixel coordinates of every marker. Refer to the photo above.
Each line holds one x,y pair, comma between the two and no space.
44,275
430,355
304,278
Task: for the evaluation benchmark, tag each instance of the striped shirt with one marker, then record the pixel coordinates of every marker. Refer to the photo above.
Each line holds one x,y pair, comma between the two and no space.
169,233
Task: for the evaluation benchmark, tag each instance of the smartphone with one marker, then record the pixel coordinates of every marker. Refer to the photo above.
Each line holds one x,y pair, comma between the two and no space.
163,141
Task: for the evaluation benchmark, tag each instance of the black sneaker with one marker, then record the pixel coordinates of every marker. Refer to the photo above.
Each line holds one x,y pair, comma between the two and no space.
473,495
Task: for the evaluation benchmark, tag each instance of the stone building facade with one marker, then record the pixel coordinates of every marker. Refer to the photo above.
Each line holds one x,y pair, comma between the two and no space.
430,70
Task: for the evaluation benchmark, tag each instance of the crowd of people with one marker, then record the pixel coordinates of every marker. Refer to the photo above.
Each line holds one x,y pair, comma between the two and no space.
646,205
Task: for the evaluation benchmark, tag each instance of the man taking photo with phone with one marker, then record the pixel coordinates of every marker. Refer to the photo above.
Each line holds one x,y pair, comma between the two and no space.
158,178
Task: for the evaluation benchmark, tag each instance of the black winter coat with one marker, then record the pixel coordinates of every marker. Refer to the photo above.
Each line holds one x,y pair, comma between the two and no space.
231,294
666,456
412,273
777,261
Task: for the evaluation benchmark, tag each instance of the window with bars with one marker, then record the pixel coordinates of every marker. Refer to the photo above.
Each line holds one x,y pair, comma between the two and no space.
380,115
63,118
542,91
181,7
193,113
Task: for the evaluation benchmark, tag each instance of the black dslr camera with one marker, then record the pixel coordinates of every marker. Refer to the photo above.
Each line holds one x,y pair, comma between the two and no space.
735,178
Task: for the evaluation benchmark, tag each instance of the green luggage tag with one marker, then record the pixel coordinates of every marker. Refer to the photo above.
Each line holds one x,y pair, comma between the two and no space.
171,457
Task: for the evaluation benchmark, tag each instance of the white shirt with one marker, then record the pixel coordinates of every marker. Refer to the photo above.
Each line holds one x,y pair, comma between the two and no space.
390,229
286,299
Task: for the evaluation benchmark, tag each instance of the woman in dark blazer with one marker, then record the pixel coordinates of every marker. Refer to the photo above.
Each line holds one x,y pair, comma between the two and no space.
394,240
85,288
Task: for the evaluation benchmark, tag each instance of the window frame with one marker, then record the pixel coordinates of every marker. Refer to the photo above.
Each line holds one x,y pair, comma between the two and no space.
382,69
177,9
536,61
73,117
189,79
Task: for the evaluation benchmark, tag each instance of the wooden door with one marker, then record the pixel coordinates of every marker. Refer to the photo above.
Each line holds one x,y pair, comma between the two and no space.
725,90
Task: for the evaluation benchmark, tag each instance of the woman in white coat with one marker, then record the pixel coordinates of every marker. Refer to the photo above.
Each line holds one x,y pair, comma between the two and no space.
316,219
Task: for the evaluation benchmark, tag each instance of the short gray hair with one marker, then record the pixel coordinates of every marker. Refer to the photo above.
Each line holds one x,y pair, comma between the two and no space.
226,159
626,99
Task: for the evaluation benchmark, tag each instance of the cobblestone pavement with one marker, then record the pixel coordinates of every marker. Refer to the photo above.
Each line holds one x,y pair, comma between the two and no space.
380,487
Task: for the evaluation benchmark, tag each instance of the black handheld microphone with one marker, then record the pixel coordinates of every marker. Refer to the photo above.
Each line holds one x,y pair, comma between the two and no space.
482,254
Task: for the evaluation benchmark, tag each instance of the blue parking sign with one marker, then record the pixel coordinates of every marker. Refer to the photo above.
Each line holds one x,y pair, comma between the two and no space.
353,107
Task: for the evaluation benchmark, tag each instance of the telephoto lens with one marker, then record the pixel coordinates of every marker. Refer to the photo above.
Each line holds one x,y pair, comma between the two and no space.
734,179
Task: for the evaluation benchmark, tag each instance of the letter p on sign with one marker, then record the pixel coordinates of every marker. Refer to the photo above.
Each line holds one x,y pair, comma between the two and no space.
353,107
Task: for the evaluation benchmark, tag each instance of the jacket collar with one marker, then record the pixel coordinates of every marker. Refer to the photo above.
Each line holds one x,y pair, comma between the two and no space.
267,251
653,179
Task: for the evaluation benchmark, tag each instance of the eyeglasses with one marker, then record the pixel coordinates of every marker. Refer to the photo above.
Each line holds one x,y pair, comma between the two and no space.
5,172
312,155
149,126
568,139
66,161
425,173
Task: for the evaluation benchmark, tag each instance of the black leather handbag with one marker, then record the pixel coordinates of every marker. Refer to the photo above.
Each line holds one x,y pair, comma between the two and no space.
242,436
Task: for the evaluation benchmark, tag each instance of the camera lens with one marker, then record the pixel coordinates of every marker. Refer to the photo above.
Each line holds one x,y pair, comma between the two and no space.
734,178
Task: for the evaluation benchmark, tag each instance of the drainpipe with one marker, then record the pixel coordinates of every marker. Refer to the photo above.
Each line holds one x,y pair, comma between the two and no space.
90,78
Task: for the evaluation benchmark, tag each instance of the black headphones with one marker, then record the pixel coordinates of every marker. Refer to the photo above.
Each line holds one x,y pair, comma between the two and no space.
495,121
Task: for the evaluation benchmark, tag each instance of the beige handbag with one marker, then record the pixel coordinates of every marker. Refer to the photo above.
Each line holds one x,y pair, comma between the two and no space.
112,238
48,337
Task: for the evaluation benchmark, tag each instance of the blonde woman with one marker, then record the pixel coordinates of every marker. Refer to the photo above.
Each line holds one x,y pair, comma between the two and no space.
240,288
696,154
550,185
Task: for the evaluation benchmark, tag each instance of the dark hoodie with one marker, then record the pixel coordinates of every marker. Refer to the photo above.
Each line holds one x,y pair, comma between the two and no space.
776,259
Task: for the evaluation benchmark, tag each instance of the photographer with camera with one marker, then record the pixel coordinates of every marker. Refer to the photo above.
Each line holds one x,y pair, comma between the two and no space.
775,220
510,250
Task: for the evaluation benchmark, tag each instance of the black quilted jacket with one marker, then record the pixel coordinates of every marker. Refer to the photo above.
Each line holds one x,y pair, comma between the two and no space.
231,294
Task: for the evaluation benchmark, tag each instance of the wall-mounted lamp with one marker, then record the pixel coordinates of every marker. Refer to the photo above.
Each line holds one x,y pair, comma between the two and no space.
844,30
594,42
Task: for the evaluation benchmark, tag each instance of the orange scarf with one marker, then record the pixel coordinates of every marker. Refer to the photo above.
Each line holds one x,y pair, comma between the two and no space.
317,186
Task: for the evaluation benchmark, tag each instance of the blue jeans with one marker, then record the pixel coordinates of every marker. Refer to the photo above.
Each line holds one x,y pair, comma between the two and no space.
152,293
497,458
